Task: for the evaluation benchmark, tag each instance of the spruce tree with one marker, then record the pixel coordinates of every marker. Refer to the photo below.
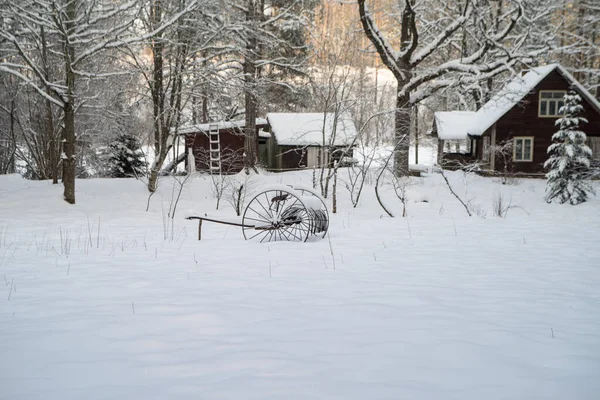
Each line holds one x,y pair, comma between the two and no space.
126,157
569,156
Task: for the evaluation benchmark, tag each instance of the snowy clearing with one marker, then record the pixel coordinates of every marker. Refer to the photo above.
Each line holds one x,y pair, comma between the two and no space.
95,303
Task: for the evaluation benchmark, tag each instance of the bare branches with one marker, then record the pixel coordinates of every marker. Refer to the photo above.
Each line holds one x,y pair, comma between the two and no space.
441,171
435,44
389,56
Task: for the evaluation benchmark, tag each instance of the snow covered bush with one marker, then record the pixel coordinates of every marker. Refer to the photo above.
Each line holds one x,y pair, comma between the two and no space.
126,157
569,156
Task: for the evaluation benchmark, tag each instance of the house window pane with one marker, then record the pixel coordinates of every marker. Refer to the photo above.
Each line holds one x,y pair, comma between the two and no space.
518,149
544,108
546,95
557,95
527,150
560,105
552,108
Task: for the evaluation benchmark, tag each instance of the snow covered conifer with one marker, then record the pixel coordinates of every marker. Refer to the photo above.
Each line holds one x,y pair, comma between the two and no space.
126,157
569,156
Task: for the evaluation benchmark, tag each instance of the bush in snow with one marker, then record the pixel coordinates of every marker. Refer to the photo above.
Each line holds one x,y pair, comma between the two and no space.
126,157
569,156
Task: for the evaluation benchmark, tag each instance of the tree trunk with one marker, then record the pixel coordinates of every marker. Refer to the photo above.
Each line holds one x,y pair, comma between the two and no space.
334,193
402,134
205,107
251,103
158,97
250,133
416,107
153,180
10,158
68,159
68,136
53,156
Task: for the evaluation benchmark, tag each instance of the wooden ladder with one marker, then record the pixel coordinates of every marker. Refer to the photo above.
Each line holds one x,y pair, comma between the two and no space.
214,144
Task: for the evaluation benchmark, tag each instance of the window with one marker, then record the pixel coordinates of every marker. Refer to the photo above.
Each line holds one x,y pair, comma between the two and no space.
551,102
523,149
457,146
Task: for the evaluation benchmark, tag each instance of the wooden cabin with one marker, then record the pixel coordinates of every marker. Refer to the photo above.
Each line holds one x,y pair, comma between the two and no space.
512,132
309,140
223,140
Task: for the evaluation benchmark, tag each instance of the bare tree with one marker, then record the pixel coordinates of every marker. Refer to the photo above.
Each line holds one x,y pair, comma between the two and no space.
82,31
478,48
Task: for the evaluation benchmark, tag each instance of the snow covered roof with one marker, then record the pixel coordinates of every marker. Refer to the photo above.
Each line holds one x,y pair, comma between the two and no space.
453,125
515,91
263,134
221,124
306,129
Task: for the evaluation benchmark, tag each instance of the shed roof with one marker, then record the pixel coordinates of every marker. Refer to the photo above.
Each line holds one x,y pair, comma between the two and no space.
306,129
221,125
512,93
453,125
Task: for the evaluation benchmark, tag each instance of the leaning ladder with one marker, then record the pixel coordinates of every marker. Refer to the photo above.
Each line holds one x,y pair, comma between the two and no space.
214,143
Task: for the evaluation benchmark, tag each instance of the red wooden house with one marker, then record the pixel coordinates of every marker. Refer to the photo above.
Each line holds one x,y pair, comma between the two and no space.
513,130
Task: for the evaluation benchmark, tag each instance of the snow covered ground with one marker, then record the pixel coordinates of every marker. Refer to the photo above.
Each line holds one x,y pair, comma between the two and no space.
95,303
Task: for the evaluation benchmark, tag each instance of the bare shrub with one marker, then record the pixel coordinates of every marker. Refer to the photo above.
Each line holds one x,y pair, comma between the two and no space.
237,191
501,205
468,208
400,184
476,209
218,187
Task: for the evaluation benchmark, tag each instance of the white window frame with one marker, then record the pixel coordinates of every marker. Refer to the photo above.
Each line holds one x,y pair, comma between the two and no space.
523,139
554,100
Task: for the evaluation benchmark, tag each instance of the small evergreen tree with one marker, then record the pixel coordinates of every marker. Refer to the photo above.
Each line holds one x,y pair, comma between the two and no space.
569,156
126,157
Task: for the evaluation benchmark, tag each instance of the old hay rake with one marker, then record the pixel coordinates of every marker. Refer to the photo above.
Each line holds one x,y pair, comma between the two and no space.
279,213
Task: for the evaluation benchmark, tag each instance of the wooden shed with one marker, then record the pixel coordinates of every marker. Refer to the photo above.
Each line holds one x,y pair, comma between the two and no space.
219,146
309,140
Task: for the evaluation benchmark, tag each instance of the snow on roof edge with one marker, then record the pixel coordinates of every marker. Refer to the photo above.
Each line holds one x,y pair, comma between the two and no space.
507,97
586,93
306,129
453,125
222,125
519,87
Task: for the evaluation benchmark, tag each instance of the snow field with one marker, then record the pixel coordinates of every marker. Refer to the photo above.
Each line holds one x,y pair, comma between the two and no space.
436,305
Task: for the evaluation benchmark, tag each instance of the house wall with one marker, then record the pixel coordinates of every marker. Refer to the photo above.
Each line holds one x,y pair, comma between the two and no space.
523,120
